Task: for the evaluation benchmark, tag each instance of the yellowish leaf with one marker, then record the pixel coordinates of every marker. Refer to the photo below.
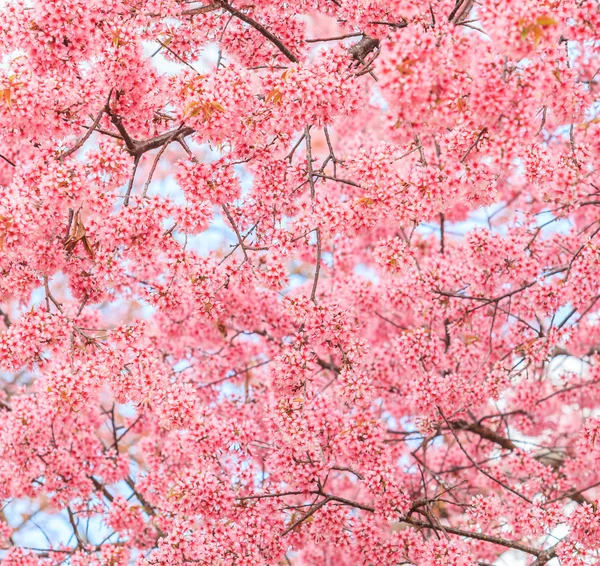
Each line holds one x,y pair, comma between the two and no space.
192,109
222,329
546,21
288,73
6,96
217,106
274,96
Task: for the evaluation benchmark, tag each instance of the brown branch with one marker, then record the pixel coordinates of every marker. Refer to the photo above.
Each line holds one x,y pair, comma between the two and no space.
359,52
366,45
545,556
474,144
346,469
154,165
486,433
269,495
147,507
177,56
309,167
83,139
337,38
50,297
158,141
138,148
486,474
80,542
477,536
260,28
130,186
461,11
119,125
308,514
102,488
451,530
201,10
7,160
236,230
486,301
554,463
397,25
343,181
313,293
5,318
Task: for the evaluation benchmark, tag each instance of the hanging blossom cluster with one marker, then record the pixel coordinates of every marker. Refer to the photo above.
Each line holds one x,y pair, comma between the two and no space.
310,283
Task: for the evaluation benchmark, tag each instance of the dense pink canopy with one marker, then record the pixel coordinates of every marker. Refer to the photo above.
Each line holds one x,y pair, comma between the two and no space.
311,283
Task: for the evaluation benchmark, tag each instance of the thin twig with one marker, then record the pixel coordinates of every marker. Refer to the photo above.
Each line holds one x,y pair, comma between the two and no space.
130,186
309,167
7,160
291,154
313,293
85,137
307,515
338,38
235,229
154,165
344,181
50,297
474,144
179,58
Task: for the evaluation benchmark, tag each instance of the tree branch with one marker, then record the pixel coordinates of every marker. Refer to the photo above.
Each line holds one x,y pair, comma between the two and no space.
261,29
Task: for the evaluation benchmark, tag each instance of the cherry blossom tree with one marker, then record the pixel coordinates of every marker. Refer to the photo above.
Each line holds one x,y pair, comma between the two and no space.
310,283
